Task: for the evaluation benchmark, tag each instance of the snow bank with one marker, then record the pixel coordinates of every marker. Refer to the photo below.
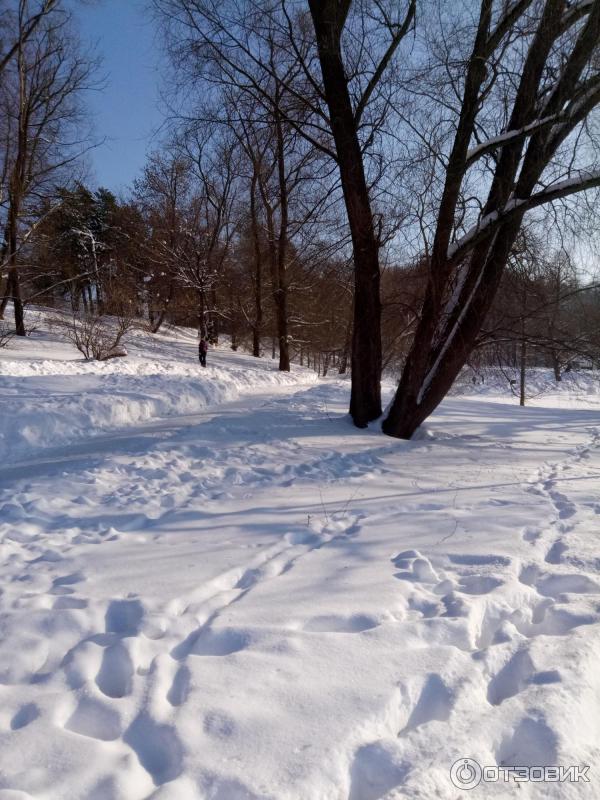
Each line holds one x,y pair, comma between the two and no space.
56,400
44,409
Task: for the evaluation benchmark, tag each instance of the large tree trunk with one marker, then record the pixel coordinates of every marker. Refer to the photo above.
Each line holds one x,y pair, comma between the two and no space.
365,398
281,293
278,280
258,311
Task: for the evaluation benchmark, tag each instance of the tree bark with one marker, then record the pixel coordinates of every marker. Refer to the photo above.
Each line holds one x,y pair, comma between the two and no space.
522,372
258,311
281,292
556,366
365,398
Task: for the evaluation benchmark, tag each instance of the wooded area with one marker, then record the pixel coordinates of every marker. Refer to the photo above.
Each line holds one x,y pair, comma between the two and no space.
363,186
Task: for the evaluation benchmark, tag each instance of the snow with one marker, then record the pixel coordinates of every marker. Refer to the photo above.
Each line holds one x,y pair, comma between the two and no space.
577,389
250,598
64,398
506,137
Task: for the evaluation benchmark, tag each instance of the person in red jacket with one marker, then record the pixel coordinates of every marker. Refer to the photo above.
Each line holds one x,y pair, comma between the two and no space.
202,351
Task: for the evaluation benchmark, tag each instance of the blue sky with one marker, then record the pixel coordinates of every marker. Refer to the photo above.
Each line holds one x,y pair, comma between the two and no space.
125,112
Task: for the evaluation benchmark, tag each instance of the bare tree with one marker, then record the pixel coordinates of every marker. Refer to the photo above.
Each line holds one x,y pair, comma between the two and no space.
163,194
40,90
209,225
533,72
330,18
240,54
29,21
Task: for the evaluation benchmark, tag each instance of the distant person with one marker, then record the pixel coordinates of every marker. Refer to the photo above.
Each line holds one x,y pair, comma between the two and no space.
203,350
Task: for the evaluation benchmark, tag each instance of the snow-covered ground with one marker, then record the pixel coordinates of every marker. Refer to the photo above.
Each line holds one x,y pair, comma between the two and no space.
214,587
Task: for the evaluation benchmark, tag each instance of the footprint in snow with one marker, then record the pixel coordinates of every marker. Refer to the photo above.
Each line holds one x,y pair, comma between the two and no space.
478,584
124,617
207,642
376,770
515,676
556,585
333,623
180,687
414,567
68,602
64,583
157,747
24,716
435,703
556,552
115,678
531,743
94,719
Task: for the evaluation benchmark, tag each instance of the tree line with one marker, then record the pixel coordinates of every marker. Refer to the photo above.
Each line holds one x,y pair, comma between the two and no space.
360,185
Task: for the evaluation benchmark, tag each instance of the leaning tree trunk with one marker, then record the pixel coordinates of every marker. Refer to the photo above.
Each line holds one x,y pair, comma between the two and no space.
365,398
425,382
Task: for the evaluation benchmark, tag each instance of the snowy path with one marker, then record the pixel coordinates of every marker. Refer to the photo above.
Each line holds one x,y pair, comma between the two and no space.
259,601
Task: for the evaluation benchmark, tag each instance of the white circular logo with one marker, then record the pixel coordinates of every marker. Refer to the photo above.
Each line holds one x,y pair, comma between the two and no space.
465,773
